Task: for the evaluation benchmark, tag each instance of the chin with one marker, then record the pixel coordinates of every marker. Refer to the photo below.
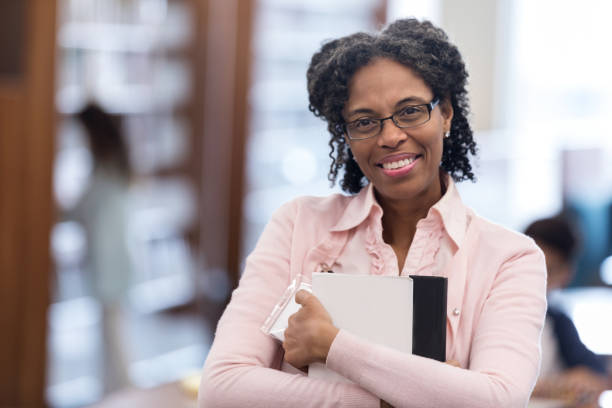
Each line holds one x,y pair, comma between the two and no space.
401,191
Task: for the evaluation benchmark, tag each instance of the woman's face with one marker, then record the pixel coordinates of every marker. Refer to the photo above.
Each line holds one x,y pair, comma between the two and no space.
381,89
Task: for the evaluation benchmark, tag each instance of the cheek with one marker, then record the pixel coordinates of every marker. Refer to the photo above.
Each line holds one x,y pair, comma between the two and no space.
361,157
361,161
441,150
435,146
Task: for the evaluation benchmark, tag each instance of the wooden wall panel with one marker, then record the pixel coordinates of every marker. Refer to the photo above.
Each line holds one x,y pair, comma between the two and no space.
26,210
12,36
11,183
38,201
240,109
226,72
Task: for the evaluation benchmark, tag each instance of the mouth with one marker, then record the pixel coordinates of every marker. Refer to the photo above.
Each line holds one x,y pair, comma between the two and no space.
398,165
393,163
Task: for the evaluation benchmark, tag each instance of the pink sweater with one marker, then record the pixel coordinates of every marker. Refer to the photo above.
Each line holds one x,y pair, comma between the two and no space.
496,309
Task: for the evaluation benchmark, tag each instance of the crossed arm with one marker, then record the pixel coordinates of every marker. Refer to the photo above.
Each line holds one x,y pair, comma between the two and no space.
243,365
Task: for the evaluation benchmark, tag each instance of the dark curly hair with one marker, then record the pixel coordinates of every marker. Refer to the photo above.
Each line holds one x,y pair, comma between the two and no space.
418,45
556,232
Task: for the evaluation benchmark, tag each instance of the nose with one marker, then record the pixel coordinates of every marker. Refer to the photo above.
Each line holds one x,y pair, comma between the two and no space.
390,135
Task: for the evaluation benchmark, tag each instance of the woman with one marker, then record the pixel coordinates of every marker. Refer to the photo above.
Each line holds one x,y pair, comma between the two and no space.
103,211
396,108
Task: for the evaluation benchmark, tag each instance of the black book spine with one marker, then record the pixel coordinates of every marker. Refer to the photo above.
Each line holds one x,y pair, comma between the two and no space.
429,317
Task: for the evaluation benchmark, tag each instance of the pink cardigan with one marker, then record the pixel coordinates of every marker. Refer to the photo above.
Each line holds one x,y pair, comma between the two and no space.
496,310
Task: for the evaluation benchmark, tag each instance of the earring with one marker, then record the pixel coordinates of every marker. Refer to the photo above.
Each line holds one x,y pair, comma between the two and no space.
447,134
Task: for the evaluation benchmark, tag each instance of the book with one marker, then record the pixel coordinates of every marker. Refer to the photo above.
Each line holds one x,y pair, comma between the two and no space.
375,308
407,314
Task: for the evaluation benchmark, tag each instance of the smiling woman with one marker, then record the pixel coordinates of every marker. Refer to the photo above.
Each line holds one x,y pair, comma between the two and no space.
396,108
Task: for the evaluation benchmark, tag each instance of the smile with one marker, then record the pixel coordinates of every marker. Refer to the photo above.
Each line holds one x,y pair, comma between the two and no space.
398,164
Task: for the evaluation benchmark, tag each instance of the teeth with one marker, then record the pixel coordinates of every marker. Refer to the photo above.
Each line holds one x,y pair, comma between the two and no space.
397,164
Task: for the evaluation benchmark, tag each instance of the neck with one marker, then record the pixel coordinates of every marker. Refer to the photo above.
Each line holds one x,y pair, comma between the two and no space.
400,216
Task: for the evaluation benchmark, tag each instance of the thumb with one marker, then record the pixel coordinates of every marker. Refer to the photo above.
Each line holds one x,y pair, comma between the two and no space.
302,297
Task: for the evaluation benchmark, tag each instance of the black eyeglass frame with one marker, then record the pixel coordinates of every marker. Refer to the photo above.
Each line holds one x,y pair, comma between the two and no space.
430,107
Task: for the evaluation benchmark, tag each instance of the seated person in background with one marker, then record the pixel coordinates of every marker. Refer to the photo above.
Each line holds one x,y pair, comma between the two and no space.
569,369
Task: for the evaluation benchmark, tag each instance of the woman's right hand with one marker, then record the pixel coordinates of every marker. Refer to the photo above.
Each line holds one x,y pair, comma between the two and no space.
310,332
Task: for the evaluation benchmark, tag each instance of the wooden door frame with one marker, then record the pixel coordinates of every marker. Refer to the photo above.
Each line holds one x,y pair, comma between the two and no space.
225,36
27,122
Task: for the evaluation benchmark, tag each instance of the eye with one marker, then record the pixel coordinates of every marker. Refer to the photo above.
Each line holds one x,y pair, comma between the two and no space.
410,112
363,124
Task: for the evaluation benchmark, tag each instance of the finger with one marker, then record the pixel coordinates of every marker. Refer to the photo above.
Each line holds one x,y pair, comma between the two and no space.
288,342
302,297
291,319
453,363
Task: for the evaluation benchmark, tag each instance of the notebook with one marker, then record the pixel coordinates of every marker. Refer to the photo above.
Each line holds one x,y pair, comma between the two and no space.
405,313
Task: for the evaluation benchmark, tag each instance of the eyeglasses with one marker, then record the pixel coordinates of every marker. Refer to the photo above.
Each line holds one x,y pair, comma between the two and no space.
407,117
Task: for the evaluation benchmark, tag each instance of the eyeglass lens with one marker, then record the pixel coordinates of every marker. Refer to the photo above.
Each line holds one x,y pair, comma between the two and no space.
410,116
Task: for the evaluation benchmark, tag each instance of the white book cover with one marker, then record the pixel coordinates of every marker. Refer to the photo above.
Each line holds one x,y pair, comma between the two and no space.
375,308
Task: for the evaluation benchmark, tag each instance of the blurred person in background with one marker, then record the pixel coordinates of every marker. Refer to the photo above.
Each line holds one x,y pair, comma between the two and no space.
397,110
570,371
103,212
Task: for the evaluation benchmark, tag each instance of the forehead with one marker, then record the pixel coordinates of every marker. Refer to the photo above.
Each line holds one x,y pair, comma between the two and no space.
384,82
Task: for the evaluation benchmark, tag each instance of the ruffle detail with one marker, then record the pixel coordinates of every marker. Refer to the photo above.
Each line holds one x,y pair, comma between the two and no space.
373,248
421,257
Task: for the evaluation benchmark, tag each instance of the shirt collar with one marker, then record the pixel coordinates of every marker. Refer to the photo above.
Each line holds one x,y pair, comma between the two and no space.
452,211
358,209
449,208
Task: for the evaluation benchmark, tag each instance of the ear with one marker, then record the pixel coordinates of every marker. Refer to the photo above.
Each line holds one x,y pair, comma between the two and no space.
340,129
347,140
446,108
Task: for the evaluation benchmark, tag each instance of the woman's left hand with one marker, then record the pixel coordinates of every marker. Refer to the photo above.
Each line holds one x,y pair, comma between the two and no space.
310,332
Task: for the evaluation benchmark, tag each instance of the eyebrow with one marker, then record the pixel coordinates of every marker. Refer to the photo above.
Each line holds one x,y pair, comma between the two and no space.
414,99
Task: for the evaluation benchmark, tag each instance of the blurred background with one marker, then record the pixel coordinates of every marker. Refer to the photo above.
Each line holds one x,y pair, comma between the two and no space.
118,255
